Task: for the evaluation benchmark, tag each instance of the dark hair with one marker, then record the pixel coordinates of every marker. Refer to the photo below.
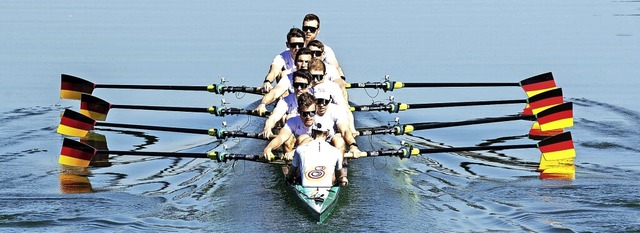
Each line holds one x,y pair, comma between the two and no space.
316,43
311,17
305,100
303,51
303,74
317,64
294,32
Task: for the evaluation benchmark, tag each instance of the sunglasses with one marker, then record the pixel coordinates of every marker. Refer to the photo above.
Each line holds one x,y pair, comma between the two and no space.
308,113
317,77
316,53
296,45
309,29
323,101
300,85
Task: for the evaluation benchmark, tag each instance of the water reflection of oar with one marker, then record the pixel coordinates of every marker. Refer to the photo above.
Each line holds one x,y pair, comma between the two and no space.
552,118
75,124
531,85
534,103
72,87
98,109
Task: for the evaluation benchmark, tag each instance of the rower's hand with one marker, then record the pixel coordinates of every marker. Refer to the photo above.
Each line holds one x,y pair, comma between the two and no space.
261,108
355,150
267,134
344,181
268,155
266,87
288,156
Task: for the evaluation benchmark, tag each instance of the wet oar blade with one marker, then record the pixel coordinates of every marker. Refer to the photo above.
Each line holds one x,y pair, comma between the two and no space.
94,107
75,124
538,84
557,117
558,147
75,153
545,100
72,87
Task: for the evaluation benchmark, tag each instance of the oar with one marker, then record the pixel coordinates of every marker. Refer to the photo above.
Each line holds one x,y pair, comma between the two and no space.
559,147
72,86
552,118
536,83
75,124
98,109
74,153
536,103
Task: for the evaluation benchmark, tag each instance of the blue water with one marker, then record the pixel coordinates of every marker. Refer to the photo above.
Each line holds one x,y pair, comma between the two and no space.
592,48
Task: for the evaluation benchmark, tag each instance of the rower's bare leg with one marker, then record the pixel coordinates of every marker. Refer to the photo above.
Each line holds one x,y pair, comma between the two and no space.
338,142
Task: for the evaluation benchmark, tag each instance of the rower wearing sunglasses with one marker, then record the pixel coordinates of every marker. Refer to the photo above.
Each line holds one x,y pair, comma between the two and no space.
320,82
283,64
284,86
311,28
287,107
294,127
331,72
330,112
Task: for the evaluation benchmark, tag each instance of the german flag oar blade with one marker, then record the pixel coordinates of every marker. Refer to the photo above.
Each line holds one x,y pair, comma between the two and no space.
561,172
556,117
75,124
538,84
545,100
559,147
75,153
72,87
94,107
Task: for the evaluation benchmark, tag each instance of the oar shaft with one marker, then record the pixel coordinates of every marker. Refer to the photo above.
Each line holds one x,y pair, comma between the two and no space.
155,153
151,127
161,108
460,84
475,148
468,103
153,87
436,125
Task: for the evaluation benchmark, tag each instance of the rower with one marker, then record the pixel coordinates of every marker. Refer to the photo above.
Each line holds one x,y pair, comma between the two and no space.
294,127
311,28
283,63
287,107
335,115
303,57
315,162
319,74
331,72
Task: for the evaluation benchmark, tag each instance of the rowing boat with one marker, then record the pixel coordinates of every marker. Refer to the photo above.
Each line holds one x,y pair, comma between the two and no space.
317,201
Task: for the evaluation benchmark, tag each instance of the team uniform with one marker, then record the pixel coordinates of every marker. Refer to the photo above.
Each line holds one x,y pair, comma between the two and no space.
288,105
296,126
334,115
285,61
317,162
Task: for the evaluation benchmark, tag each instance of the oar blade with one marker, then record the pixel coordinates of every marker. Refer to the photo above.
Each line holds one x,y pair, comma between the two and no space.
545,100
559,147
556,117
72,87
561,172
538,84
75,124
76,153
99,142
94,107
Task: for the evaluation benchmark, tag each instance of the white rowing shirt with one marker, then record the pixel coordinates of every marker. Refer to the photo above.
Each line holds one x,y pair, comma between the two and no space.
317,161
285,61
296,126
329,55
288,105
334,115
332,72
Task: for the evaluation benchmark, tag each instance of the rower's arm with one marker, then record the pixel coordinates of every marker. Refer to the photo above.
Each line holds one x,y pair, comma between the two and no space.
346,133
276,92
282,136
278,112
274,70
